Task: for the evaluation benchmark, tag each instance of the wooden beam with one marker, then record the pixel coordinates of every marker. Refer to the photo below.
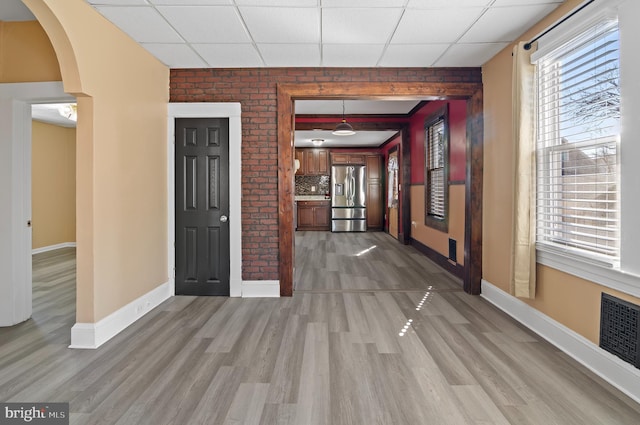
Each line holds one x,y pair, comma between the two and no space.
473,196
286,191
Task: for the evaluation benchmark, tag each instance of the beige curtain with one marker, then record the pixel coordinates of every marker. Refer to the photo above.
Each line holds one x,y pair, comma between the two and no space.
523,279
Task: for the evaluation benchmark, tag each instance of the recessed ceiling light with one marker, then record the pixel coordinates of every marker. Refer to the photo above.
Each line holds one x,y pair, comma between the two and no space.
317,142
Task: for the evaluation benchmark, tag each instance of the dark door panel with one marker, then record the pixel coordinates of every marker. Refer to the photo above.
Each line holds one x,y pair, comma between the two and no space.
202,206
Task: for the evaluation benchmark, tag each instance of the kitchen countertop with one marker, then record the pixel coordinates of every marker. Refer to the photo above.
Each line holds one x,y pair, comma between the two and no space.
310,198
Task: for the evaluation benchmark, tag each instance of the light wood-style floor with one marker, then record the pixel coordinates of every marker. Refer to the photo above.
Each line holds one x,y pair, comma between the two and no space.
387,338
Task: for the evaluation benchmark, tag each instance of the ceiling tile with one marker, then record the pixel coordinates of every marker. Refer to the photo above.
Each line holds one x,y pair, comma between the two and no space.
278,3
282,24
229,55
350,26
175,55
470,54
142,23
434,26
206,24
438,4
499,3
412,55
191,2
362,3
506,23
290,54
119,2
351,55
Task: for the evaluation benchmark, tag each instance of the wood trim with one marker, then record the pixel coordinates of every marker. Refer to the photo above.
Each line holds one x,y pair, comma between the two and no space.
405,195
286,190
382,90
357,126
473,195
435,223
455,269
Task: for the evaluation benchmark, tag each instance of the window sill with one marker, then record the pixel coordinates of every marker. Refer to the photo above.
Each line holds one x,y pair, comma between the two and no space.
588,270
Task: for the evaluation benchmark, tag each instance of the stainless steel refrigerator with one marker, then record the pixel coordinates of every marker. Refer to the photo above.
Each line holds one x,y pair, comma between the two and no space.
348,203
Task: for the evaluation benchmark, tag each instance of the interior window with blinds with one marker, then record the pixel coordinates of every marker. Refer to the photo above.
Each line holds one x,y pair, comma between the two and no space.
578,127
436,149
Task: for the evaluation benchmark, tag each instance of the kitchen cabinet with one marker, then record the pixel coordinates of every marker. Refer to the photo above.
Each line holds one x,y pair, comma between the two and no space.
313,162
347,158
314,215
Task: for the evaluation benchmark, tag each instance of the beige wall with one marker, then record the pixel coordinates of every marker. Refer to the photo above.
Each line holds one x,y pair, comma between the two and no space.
122,94
53,184
571,301
435,239
26,54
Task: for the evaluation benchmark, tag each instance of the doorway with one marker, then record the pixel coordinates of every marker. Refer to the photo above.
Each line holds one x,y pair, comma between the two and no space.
393,184
15,145
472,92
232,112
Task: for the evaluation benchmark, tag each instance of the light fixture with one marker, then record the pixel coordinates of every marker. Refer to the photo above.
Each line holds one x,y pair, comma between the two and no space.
317,142
69,111
344,128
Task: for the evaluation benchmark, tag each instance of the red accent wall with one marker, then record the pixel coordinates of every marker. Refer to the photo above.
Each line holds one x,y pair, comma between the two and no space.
457,139
255,89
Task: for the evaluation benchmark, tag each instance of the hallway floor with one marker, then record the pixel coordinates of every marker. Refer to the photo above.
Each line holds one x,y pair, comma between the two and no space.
371,336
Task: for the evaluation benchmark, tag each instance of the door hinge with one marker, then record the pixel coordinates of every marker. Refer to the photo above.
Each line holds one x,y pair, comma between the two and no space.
174,273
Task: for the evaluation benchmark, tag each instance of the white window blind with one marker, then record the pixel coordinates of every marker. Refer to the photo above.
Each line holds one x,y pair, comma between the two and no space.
436,169
578,129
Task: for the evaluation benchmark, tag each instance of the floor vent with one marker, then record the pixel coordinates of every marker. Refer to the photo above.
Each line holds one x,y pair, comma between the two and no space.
619,334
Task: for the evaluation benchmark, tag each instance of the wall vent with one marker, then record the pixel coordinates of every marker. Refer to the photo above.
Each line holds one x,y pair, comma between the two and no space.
453,250
619,328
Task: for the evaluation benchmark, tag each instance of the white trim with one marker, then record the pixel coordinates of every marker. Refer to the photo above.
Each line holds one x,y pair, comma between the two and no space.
211,110
53,247
15,193
618,373
582,268
592,14
260,288
93,335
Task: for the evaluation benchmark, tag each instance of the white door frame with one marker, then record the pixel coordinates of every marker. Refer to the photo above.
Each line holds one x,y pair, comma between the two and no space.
15,193
211,110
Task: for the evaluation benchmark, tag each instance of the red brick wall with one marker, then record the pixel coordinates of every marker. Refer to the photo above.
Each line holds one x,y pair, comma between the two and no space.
255,89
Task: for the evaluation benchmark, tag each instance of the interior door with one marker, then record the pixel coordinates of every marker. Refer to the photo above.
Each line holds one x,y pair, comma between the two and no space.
202,206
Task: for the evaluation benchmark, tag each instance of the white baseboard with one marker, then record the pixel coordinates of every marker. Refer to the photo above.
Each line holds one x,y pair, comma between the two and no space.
93,335
260,288
53,247
617,372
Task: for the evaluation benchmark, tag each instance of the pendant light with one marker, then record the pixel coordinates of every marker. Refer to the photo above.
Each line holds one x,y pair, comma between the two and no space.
344,128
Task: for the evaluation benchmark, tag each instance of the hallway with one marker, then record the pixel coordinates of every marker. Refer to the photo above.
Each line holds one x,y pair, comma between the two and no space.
409,350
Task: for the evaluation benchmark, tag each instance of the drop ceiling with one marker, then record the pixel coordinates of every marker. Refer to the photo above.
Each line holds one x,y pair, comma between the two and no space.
324,33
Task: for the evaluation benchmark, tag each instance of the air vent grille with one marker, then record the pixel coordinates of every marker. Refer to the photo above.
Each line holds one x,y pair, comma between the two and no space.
619,328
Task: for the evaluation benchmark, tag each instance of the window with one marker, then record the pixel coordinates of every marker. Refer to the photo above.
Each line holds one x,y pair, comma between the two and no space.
437,171
578,132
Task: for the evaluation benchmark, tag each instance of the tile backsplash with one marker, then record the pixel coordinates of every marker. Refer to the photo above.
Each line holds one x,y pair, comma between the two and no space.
304,184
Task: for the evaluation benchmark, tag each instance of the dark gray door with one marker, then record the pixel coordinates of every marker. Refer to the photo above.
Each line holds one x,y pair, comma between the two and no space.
202,206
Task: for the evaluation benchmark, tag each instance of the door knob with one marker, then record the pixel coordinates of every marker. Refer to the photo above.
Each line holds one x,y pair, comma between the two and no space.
223,218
